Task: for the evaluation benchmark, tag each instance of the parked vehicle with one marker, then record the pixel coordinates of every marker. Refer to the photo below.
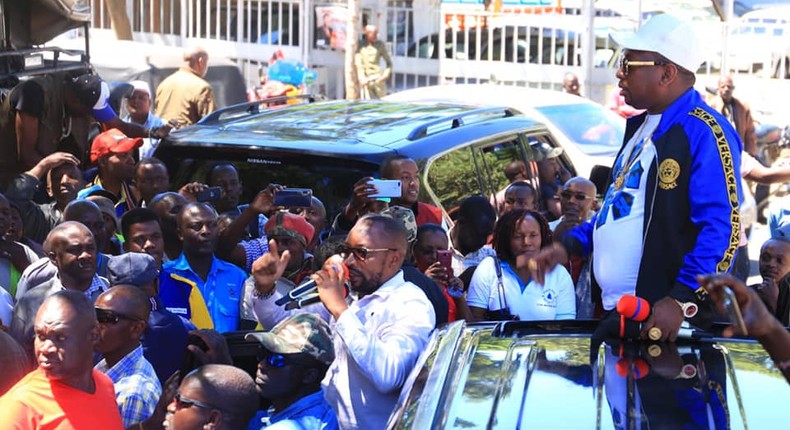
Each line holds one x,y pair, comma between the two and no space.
556,375
328,146
761,41
589,133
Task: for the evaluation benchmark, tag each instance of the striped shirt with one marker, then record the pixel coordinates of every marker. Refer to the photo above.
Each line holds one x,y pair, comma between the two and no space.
137,388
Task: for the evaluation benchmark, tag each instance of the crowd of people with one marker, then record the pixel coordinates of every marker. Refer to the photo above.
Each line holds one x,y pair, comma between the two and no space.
113,282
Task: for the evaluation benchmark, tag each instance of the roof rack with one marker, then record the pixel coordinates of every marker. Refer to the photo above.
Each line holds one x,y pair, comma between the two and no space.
254,107
458,120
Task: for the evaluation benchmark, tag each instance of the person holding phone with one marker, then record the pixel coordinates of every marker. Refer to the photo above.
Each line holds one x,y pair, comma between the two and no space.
433,257
505,284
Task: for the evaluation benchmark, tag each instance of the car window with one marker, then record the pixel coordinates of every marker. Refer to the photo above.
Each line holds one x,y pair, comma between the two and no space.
495,158
452,177
331,180
596,131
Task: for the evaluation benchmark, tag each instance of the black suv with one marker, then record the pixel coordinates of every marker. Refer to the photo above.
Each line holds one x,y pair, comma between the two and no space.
328,146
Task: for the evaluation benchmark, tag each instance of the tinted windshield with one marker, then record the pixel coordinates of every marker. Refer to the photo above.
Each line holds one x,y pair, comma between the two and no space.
330,179
596,131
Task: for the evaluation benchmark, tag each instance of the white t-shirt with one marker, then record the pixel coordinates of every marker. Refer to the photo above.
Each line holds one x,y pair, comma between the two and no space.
556,299
619,234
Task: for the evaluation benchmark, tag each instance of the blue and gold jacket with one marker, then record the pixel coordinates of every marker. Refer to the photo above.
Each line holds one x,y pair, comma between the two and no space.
692,226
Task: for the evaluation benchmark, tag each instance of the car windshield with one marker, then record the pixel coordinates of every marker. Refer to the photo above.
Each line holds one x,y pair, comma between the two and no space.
330,179
594,130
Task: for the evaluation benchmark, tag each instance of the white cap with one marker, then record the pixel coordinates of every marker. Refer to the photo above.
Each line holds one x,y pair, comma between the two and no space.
141,86
668,35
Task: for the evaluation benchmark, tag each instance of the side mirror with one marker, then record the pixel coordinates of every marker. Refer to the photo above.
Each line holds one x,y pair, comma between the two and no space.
601,176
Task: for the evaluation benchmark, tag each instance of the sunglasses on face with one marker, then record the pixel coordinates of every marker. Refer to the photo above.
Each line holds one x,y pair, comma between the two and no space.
626,64
106,316
567,195
277,361
183,402
360,252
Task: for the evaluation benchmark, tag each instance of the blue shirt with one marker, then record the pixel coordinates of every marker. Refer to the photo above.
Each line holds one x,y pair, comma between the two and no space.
221,291
137,388
311,412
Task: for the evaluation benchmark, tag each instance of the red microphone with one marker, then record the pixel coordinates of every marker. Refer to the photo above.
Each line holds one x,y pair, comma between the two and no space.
632,308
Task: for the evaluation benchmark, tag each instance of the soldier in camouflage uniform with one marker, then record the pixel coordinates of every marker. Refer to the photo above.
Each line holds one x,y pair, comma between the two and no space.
372,79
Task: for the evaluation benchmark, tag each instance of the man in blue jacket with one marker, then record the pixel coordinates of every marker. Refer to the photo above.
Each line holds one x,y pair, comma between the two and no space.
671,210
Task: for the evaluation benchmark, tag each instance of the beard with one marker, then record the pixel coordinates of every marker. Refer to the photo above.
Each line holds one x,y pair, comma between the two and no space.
363,285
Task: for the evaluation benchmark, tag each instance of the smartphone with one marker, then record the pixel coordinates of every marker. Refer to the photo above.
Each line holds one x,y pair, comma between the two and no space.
211,194
733,310
294,198
445,258
386,188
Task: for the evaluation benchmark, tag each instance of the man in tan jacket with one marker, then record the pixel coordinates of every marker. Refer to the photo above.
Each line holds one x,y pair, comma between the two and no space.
185,95
737,112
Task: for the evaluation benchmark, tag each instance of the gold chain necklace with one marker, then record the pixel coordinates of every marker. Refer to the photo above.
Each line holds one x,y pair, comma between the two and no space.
632,157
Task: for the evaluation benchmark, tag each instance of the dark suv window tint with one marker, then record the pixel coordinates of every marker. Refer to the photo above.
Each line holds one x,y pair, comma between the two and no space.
331,180
453,177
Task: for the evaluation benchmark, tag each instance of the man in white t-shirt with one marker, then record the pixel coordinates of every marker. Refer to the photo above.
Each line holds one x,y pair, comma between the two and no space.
671,211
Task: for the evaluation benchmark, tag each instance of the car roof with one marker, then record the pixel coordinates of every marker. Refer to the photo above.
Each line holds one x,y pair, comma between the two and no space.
556,374
768,13
484,93
352,128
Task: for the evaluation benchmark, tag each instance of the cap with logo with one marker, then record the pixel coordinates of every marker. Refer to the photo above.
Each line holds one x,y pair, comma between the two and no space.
305,333
113,141
544,151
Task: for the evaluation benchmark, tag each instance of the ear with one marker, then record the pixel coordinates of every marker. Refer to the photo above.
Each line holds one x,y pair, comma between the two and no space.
215,420
138,328
52,259
670,74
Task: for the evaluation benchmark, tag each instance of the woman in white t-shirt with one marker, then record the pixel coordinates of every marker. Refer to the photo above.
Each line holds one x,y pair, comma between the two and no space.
518,236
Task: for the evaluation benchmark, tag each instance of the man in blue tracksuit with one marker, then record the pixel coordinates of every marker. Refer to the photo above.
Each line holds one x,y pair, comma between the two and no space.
671,210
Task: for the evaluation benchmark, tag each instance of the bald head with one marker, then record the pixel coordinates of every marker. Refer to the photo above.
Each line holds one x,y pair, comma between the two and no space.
87,213
228,388
726,88
581,182
61,231
197,59
127,300
386,231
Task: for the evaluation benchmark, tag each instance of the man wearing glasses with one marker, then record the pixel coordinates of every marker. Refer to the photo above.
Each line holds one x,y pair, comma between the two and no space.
214,396
293,359
64,392
671,211
380,330
122,312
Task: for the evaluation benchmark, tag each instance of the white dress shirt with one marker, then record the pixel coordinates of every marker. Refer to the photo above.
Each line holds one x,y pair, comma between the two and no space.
377,342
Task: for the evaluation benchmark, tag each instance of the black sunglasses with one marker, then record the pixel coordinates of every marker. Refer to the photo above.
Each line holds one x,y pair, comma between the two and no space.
106,316
567,195
183,402
360,252
625,64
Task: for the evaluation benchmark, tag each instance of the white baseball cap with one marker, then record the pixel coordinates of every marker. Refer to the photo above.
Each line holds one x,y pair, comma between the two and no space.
668,35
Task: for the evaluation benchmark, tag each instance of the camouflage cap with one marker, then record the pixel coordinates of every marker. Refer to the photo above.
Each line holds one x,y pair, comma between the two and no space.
406,216
304,333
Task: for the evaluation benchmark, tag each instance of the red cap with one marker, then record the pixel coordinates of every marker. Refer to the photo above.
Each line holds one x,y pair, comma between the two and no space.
113,141
290,225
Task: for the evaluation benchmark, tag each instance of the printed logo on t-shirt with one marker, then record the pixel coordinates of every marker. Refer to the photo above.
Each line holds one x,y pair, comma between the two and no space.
549,298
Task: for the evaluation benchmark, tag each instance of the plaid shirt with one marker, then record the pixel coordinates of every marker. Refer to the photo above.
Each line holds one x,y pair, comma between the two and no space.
137,388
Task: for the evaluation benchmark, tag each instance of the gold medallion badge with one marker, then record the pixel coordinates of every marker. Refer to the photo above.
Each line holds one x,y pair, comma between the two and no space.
668,172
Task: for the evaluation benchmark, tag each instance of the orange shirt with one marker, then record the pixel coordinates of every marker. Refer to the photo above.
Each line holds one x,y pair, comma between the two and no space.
36,402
